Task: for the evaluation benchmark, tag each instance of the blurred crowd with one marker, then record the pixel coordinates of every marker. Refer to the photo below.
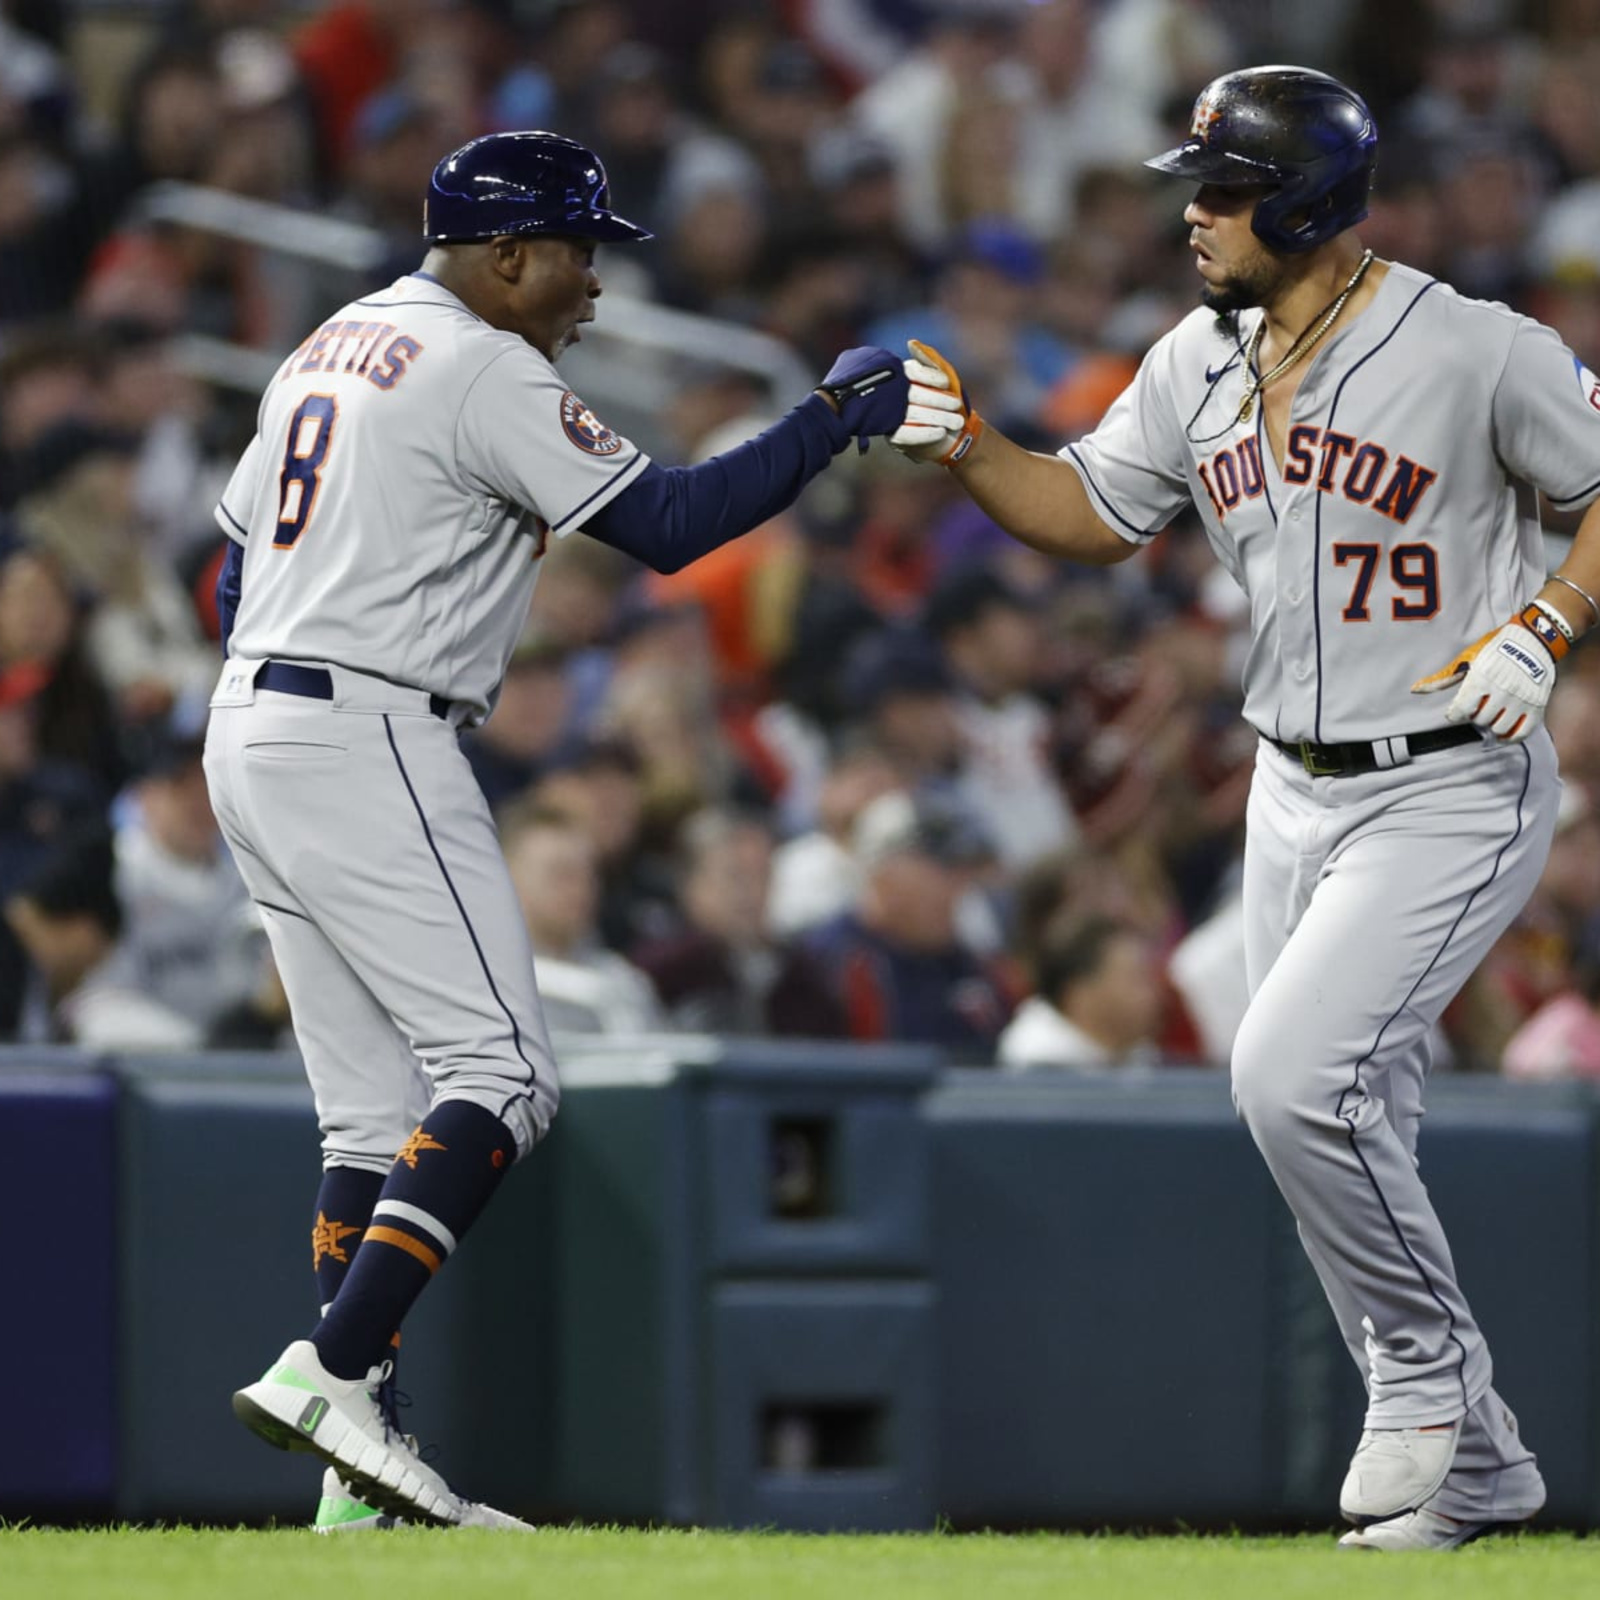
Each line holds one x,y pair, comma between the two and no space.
872,772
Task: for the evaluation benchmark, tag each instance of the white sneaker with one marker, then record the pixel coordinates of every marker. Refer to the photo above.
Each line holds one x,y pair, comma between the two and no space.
474,1515
1395,1470
1418,1530
342,1510
300,1405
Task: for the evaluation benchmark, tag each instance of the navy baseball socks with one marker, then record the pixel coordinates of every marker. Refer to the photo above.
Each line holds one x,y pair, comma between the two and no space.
323,1394
441,1180
344,1208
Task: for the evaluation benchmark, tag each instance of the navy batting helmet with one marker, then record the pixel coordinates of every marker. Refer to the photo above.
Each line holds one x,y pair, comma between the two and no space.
1303,135
522,183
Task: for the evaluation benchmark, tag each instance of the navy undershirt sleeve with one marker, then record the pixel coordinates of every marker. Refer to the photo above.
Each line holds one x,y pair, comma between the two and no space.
230,585
670,516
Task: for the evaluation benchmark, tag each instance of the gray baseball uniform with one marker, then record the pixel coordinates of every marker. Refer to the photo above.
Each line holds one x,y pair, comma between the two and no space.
409,466
1400,524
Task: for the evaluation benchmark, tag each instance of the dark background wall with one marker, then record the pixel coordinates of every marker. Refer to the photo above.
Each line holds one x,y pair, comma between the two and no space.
749,1285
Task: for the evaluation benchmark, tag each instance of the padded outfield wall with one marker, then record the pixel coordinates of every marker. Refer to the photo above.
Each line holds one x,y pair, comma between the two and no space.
757,1285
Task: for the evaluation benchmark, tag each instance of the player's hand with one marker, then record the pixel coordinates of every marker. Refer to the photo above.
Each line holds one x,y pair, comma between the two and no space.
1502,682
940,424
868,388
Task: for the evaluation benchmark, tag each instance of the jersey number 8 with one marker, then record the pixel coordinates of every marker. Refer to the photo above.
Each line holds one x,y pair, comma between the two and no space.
310,434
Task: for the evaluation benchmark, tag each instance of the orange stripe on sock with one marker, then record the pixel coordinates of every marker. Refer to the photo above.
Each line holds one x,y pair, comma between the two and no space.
405,1242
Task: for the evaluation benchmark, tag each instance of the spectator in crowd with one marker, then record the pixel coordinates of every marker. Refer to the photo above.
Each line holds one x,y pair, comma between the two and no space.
41,802
1098,1001
723,971
816,876
598,783
42,633
896,960
1554,938
992,644
143,635
47,378
68,921
659,158
64,918
911,108
984,305
260,1021
1206,967
901,696
395,139
584,987
508,753
191,940
662,702
1562,1038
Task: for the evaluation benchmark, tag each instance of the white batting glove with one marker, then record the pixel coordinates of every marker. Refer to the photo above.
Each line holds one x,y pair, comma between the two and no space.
1504,678
933,413
940,424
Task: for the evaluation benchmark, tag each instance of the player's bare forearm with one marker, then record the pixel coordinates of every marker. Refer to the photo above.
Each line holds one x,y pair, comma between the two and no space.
1039,500
1582,569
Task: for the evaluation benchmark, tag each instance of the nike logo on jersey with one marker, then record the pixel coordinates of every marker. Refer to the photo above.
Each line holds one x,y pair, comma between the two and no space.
1364,473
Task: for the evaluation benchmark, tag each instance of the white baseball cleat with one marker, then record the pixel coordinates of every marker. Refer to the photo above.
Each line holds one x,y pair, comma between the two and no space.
1419,1530
300,1405
1395,1470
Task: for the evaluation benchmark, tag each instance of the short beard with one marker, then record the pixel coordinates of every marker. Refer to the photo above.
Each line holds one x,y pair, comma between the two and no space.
1254,285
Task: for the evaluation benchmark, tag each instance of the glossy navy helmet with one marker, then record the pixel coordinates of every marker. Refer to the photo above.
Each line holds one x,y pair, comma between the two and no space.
1304,136
522,183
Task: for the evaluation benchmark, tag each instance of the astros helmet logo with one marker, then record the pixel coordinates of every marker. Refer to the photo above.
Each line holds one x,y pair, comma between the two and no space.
585,429
1206,116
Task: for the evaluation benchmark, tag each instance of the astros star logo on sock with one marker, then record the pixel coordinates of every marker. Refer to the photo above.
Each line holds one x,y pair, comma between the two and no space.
414,1146
326,1240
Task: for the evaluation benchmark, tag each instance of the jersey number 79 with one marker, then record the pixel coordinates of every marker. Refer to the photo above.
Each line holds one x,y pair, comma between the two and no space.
310,434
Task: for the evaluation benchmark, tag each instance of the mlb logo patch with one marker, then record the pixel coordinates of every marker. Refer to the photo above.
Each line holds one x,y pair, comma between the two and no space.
585,429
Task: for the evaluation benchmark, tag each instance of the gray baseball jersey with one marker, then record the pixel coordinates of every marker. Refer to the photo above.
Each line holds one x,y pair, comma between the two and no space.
1401,526
409,465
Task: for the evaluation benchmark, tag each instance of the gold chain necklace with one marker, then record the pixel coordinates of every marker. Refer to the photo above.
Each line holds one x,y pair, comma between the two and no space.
1303,346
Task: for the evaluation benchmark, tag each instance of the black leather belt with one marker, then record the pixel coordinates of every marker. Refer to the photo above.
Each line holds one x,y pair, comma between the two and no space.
316,683
1347,760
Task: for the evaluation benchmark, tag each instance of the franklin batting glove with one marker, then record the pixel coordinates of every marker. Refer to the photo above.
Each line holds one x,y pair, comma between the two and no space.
1505,677
940,424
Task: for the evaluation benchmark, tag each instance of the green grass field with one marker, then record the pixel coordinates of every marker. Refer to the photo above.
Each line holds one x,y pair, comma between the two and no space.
600,1563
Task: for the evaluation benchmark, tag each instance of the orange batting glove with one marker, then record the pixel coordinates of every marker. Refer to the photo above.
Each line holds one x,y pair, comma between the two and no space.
1503,680
940,424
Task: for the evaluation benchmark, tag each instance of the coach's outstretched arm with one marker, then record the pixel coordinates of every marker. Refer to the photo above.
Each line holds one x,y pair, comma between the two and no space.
1038,499
670,516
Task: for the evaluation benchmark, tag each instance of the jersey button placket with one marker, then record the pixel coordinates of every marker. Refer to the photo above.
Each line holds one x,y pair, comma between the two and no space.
1296,624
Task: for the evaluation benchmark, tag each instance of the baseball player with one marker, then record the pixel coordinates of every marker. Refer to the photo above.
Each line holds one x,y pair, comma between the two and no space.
1361,444
412,462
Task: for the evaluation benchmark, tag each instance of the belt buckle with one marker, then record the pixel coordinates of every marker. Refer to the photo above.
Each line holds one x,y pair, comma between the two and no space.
1316,768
